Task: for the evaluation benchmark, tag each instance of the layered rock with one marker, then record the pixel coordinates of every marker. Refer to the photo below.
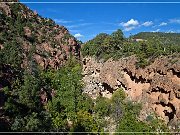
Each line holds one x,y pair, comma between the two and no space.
157,86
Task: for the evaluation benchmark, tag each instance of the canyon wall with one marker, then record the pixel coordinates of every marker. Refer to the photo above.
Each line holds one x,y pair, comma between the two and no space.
157,86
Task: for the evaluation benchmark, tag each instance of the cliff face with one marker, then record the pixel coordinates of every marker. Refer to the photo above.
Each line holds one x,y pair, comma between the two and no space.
157,86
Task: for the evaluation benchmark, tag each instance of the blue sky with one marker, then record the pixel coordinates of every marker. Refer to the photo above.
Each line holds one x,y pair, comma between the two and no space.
85,21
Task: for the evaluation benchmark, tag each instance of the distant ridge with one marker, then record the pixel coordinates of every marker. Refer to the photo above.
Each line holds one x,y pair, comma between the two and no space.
168,38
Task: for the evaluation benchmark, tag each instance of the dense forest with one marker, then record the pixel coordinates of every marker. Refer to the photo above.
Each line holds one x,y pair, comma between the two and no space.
50,98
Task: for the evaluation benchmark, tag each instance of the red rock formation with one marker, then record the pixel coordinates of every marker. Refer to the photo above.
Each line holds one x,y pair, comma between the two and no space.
50,44
157,86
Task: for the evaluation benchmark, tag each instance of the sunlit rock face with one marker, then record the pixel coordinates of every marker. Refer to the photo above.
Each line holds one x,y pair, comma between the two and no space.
156,86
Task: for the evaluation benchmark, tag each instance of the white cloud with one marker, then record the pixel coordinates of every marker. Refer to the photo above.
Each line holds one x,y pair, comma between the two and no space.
163,24
78,35
129,23
129,28
156,30
148,23
174,21
61,21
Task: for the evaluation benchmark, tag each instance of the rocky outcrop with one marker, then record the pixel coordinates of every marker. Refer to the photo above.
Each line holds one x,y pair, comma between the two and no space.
49,44
157,86
6,9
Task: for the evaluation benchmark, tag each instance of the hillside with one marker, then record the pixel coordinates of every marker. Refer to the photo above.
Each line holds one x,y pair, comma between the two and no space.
115,45
166,38
116,85
51,43
29,45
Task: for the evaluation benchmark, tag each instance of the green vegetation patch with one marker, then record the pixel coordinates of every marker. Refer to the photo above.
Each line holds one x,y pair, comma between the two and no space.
116,46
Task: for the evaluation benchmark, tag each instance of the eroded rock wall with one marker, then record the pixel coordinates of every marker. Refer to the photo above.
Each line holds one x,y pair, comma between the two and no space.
157,86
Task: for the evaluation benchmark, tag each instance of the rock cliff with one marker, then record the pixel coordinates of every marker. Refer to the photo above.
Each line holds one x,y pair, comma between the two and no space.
157,86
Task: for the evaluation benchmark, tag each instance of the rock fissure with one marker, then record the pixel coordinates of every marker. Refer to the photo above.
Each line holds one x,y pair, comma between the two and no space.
169,110
134,78
107,87
161,90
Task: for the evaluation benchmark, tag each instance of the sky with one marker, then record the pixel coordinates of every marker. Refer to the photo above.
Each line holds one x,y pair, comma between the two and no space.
85,20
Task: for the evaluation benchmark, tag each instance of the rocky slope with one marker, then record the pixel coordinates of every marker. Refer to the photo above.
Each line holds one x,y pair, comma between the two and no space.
28,41
52,43
157,86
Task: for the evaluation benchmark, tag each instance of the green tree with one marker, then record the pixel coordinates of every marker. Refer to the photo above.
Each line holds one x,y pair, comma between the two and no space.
117,39
117,107
102,107
85,123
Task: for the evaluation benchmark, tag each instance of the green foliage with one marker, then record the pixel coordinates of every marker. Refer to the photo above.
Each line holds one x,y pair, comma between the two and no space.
19,25
11,54
129,122
25,96
118,95
32,122
117,39
15,8
93,47
104,45
58,115
85,103
28,123
116,46
68,101
125,113
85,123
67,107
157,125
117,107
29,92
67,83
165,38
102,107
24,82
